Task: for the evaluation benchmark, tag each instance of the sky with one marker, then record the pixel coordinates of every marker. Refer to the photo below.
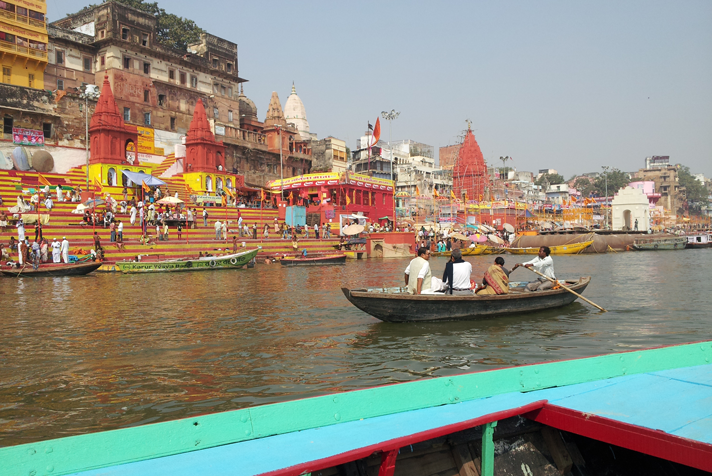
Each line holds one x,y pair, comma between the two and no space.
572,86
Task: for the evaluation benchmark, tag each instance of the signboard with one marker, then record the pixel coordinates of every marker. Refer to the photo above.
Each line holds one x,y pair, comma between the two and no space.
27,136
219,130
130,153
145,140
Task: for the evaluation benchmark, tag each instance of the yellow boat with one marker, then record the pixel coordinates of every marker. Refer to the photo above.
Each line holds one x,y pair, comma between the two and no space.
569,249
478,249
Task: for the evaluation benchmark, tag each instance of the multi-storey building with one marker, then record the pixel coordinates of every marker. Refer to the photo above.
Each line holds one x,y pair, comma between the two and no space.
23,42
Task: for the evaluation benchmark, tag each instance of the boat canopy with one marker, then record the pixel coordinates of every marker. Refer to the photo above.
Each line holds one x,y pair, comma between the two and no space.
139,177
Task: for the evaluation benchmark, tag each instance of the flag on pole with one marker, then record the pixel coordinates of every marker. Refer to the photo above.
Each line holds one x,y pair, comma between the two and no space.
262,195
435,193
376,131
43,180
145,187
229,192
452,195
188,190
291,197
348,199
98,185
466,199
417,191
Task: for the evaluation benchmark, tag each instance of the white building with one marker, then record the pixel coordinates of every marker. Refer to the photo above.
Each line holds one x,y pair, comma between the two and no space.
630,205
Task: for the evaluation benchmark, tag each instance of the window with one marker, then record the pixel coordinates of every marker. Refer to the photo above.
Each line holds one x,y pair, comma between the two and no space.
125,34
22,12
229,92
7,37
127,62
161,99
223,91
102,34
103,61
6,76
144,39
127,114
182,78
173,123
59,56
229,116
87,64
47,130
193,81
172,74
7,125
216,113
147,68
229,67
30,80
60,85
146,95
215,62
215,88
147,118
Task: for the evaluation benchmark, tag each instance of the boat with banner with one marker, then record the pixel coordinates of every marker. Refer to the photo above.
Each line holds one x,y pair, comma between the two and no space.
701,240
314,260
655,244
51,269
568,249
397,305
205,263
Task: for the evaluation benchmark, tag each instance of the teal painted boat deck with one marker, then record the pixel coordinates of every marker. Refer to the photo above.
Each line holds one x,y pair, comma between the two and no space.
661,399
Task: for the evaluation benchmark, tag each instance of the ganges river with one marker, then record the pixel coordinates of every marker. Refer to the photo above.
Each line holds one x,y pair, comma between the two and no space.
107,351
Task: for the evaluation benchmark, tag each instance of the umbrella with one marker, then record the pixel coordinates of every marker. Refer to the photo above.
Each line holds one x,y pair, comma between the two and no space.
495,239
170,201
458,236
353,229
80,209
94,202
508,227
477,238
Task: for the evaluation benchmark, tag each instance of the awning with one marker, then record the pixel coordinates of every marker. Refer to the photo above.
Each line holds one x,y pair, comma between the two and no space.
247,189
139,177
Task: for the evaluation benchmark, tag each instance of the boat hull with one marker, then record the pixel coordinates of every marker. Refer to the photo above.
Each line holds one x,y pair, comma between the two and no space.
234,261
403,307
570,249
661,244
52,270
316,261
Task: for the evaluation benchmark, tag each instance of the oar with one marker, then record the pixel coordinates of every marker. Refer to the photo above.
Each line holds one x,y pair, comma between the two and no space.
569,290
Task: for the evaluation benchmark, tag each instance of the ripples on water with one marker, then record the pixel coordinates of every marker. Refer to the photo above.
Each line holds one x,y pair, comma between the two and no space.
109,351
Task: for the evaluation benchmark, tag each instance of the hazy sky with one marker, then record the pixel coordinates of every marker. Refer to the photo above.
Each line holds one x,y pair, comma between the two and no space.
553,84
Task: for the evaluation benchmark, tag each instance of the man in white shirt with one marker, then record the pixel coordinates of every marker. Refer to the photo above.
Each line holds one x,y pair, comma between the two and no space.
218,229
64,250
55,251
545,265
420,268
457,275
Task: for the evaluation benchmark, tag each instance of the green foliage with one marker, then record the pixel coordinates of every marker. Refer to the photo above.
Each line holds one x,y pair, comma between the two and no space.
173,31
695,191
551,179
585,186
616,181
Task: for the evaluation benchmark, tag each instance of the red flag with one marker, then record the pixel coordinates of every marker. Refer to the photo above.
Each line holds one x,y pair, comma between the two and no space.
291,197
376,131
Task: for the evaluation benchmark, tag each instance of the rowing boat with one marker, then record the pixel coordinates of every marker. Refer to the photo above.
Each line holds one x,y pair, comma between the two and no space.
206,263
476,250
313,260
568,249
51,269
396,305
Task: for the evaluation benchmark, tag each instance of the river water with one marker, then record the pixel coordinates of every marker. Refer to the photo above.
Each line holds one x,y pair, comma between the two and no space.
106,351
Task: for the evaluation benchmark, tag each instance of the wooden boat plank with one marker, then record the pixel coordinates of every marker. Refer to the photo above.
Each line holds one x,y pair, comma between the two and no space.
314,261
52,270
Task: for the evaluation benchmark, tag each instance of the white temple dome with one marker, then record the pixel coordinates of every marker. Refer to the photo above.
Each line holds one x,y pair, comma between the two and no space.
295,113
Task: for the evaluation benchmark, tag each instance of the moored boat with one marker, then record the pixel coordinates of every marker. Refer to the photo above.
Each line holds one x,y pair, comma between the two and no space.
317,260
568,249
655,244
701,240
51,269
207,263
396,305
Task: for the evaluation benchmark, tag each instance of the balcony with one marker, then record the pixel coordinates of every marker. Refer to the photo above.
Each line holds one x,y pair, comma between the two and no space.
23,50
12,16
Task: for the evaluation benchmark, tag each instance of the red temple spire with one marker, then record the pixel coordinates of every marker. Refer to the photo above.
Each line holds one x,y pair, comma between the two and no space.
469,174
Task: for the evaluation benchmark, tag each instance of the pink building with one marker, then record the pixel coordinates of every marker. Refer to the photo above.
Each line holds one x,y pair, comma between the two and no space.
648,188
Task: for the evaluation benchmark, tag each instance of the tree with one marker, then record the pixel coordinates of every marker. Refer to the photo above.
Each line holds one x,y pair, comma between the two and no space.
585,186
695,191
551,179
172,31
616,180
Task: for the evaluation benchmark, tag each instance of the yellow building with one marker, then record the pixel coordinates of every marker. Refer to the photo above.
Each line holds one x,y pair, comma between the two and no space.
23,42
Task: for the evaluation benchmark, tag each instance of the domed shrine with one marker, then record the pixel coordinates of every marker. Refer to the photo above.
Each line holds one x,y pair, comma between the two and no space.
295,113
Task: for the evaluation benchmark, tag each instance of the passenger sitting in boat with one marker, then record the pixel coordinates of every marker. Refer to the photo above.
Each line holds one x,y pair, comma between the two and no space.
545,265
496,279
424,283
457,275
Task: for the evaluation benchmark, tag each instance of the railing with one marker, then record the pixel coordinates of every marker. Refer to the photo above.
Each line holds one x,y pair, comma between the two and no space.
244,134
23,19
7,46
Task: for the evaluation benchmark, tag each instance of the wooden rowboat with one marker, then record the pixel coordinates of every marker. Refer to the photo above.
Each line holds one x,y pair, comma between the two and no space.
476,250
569,249
396,305
313,260
51,269
208,263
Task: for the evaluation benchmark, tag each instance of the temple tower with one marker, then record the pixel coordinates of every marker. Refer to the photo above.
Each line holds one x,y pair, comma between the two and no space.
469,175
203,152
112,141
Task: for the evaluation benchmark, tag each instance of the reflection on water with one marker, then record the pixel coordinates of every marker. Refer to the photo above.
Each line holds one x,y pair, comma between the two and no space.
109,351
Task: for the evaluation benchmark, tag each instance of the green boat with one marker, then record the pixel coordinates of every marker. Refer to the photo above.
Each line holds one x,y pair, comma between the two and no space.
655,244
207,263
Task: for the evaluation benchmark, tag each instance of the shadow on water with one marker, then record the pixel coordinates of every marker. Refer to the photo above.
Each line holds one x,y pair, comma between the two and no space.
107,351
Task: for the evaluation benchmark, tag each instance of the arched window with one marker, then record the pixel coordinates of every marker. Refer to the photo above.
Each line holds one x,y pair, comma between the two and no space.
111,177
218,183
228,183
209,183
125,179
